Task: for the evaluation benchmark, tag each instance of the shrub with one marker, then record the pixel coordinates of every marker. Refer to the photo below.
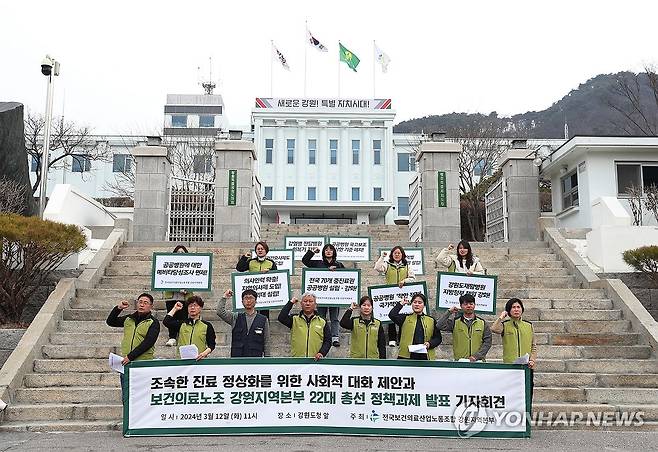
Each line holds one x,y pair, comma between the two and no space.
30,250
644,259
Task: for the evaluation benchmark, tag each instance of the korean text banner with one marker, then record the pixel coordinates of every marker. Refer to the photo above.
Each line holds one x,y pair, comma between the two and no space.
387,296
339,287
175,271
301,244
450,286
282,258
352,248
414,259
337,396
272,287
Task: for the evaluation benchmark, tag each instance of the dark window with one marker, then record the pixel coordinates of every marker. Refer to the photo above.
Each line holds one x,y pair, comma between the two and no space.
377,151
312,150
178,120
333,152
377,193
356,194
269,150
333,193
406,162
268,194
403,206
291,151
121,163
356,150
206,121
569,185
80,164
202,164
290,193
311,193
649,176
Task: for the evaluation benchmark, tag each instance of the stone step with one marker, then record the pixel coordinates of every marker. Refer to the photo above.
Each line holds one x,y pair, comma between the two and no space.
68,395
64,411
44,380
597,395
62,426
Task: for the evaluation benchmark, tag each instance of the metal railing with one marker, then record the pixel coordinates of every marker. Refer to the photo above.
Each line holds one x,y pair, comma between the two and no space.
415,218
191,210
495,202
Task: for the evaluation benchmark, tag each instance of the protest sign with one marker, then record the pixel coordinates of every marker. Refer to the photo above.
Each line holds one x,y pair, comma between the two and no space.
338,287
300,244
450,286
351,248
414,259
282,258
272,287
386,296
176,271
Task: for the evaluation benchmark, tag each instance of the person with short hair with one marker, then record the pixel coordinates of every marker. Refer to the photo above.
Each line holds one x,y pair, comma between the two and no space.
368,339
310,336
173,296
250,330
193,330
261,263
471,336
140,332
463,262
416,328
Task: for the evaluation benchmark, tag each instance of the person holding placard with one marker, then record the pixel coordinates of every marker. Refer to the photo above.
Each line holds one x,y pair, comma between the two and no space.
329,260
194,330
171,298
419,334
250,330
463,262
309,333
368,340
261,263
471,336
396,270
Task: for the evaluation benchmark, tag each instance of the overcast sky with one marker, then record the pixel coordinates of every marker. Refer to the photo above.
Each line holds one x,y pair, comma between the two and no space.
120,58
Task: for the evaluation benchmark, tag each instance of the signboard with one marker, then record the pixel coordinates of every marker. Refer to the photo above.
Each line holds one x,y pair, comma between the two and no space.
333,396
176,271
232,186
282,258
316,103
450,286
272,287
340,287
442,192
386,296
300,244
351,248
414,259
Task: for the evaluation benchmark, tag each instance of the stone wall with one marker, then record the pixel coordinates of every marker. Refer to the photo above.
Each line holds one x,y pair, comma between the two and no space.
641,286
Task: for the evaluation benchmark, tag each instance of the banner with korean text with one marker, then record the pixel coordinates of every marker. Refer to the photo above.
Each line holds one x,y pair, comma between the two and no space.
450,286
272,287
352,248
176,271
414,259
333,396
300,244
386,296
282,258
340,287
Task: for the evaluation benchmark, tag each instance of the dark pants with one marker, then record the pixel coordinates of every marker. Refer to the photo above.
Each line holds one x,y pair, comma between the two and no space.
124,395
180,315
392,332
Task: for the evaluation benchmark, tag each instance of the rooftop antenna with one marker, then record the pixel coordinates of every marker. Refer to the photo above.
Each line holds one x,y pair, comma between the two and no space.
208,85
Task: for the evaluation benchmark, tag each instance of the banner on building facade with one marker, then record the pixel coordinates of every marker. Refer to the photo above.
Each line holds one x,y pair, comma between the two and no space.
352,248
272,287
414,259
332,396
177,271
339,287
300,244
450,286
316,103
385,297
282,258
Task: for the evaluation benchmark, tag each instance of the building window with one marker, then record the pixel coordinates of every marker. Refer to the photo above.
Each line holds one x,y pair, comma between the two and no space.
268,194
377,194
121,163
636,175
569,185
81,164
377,152
34,163
290,193
406,162
269,150
403,206
291,151
202,164
333,152
311,193
333,193
356,150
312,150
479,167
178,120
356,194
206,121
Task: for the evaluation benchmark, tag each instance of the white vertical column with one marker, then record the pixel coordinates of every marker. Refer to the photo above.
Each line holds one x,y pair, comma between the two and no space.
301,161
389,161
280,153
366,162
344,162
322,161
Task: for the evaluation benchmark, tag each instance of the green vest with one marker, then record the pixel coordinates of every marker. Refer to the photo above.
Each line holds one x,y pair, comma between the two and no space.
395,274
517,339
364,339
171,295
306,338
467,341
133,335
194,333
256,266
407,334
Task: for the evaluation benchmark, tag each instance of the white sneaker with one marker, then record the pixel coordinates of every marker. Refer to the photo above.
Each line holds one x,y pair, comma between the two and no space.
392,343
171,342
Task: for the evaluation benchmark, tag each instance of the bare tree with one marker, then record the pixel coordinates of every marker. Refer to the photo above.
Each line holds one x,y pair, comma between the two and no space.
635,98
12,195
635,202
651,200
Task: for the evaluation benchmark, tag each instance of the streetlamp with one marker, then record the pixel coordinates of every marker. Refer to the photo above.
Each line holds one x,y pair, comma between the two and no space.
49,67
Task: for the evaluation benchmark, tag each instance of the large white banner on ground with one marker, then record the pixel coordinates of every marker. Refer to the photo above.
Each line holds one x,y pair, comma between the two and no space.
333,396
301,244
450,286
272,287
175,271
282,258
352,248
386,296
339,287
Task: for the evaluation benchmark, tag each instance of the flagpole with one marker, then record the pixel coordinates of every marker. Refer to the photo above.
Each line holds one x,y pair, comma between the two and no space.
339,69
271,66
305,53
374,51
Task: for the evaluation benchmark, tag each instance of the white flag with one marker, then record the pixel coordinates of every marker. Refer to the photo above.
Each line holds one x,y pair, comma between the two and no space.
315,43
280,57
382,58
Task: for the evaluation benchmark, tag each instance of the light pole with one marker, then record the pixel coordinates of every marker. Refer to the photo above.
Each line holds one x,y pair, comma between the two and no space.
49,68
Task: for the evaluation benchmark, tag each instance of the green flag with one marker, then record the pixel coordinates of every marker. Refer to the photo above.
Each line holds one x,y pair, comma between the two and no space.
348,57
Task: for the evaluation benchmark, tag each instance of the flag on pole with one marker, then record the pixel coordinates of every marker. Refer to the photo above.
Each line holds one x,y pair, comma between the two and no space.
382,58
348,57
315,43
282,59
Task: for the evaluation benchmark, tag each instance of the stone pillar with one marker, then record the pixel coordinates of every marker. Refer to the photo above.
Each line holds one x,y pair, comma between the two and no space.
301,162
366,163
344,162
280,158
522,179
439,224
152,171
323,162
233,222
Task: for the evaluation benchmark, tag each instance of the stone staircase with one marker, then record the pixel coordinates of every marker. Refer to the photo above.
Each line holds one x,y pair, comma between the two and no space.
589,357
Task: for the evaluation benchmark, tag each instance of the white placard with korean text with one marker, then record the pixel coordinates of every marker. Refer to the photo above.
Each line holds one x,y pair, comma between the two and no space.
450,286
385,297
351,248
282,258
301,244
339,287
176,271
272,287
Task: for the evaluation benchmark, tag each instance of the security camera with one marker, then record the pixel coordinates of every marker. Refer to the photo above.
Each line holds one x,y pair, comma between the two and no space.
49,66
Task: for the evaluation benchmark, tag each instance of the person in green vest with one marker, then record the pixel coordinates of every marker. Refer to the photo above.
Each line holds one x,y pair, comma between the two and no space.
140,332
171,298
193,330
310,335
471,336
462,262
416,328
368,338
261,263
396,270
